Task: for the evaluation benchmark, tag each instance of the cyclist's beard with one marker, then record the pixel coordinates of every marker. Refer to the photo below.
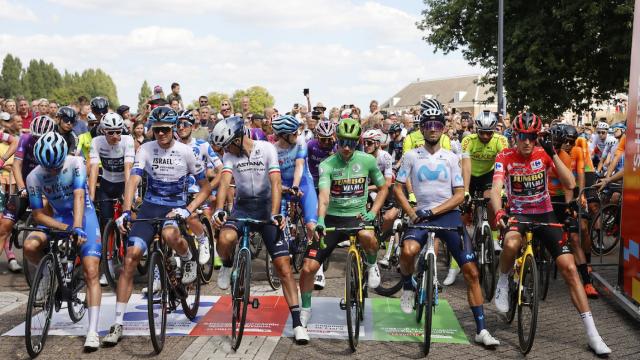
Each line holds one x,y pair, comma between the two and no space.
432,142
186,137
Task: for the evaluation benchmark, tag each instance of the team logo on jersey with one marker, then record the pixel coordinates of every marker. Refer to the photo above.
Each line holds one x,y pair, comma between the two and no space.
536,164
196,151
257,151
426,174
356,168
499,167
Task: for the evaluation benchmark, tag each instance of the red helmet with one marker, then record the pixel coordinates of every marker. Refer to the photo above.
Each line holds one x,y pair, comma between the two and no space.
527,122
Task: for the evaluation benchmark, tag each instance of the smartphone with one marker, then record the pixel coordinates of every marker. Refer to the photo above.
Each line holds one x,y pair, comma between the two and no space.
296,105
305,92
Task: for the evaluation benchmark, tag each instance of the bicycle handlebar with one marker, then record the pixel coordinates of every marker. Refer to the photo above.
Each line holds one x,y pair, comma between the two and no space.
48,231
513,221
252,221
457,229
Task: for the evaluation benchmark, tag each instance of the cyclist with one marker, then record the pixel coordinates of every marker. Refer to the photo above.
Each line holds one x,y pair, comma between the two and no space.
23,163
254,166
342,203
167,164
437,176
524,171
7,138
99,108
67,118
609,146
598,143
395,144
62,180
319,149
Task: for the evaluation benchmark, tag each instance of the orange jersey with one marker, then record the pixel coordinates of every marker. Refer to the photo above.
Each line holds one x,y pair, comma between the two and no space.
621,145
577,161
584,146
555,186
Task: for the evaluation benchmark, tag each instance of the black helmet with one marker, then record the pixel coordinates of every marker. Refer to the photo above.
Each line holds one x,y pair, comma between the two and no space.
395,128
67,114
570,132
99,105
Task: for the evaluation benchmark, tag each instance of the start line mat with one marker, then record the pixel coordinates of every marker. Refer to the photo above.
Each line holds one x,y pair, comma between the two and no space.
383,320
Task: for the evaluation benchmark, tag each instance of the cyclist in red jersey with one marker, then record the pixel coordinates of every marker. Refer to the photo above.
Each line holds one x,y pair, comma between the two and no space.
524,171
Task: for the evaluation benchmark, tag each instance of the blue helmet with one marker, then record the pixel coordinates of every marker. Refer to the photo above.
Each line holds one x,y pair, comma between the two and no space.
508,133
227,130
163,114
621,125
286,124
51,150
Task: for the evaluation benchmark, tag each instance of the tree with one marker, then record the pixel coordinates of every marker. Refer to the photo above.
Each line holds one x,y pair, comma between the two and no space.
558,55
40,79
143,96
214,100
259,98
10,83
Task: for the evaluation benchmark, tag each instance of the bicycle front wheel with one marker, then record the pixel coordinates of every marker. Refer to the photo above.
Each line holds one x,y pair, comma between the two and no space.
77,306
544,269
528,304
607,236
487,268
352,300
40,306
207,269
113,253
430,301
389,265
190,293
157,302
241,289
272,277
513,299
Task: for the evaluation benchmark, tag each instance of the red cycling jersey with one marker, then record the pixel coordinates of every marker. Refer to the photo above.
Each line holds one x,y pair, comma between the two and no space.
526,180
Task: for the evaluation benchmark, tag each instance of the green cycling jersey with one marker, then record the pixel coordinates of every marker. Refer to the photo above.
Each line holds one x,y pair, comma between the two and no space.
483,156
347,182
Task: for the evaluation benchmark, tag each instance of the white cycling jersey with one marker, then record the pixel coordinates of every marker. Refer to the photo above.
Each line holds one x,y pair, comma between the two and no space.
112,157
251,173
205,154
385,163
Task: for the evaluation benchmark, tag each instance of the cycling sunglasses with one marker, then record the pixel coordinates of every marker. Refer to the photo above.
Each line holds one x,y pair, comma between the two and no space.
527,136
113,132
369,143
325,140
184,123
162,129
347,143
68,121
432,125
485,132
603,132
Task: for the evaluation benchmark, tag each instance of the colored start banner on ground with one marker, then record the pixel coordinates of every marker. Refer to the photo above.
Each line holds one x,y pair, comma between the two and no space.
383,320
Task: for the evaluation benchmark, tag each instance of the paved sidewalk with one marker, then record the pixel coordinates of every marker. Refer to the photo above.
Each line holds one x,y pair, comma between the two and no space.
10,300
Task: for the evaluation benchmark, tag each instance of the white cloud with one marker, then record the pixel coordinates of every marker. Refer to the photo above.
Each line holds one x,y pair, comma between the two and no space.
17,12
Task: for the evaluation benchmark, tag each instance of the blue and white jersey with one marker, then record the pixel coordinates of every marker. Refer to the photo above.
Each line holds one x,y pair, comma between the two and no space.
433,176
58,186
112,157
287,161
167,172
205,154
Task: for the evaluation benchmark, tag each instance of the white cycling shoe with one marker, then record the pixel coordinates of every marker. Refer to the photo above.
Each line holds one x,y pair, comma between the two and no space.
319,282
204,252
407,301
501,300
486,339
189,272
451,277
598,346
301,335
224,278
92,341
374,276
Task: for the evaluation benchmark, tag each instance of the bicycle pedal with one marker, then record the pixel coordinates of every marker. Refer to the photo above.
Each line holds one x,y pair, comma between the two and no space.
343,304
255,303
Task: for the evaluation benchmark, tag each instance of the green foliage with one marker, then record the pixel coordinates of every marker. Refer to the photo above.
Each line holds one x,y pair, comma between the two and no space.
42,80
214,100
143,96
259,98
558,55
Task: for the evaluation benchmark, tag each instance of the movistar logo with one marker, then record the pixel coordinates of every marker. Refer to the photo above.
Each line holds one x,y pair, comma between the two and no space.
426,174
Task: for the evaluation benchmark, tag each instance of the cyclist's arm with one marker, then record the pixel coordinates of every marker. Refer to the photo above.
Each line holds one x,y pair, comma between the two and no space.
40,217
13,146
93,180
129,157
276,191
452,203
495,196
17,173
78,207
398,191
201,196
127,171
297,173
564,174
215,182
130,188
617,176
383,190
324,184
613,164
223,188
466,173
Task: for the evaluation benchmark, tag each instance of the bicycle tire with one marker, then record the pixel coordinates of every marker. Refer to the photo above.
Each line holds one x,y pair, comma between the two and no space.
206,270
77,307
544,271
28,270
255,244
530,299
36,343
418,300
608,237
301,244
429,272
157,332
272,277
191,308
241,289
114,251
488,269
513,300
352,289
390,276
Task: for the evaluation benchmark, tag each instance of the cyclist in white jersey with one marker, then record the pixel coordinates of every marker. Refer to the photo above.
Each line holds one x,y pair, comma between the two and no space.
167,164
599,141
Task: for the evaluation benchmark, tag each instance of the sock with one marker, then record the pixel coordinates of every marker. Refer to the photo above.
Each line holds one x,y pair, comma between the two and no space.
407,282
186,256
306,299
371,259
227,263
202,238
584,274
454,264
295,316
94,317
478,315
588,256
120,308
495,234
589,325
503,280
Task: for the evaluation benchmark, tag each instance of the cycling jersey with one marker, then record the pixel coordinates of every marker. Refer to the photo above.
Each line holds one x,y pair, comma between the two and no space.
598,146
287,158
433,176
415,139
482,155
610,146
555,186
24,152
347,182
112,157
257,134
525,179
71,139
584,146
385,163
395,149
167,171
204,153
316,154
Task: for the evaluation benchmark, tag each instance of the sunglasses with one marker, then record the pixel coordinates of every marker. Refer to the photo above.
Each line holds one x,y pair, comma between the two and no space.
485,132
113,132
325,140
527,136
369,143
162,129
184,124
68,121
603,132
347,143
432,125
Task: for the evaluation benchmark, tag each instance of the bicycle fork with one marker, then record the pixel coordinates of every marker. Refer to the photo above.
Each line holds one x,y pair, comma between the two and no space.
397,224
430,249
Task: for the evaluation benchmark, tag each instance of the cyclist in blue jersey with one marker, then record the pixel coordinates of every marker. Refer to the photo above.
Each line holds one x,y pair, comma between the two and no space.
254,166
62,180
167,164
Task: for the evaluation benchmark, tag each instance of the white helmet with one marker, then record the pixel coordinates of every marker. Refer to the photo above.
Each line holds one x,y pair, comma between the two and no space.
227,130
325,128
602,126
486,121
373,134
111,121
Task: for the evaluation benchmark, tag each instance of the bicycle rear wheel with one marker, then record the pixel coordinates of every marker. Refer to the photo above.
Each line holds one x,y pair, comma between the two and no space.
390,277
40,306
189,294
300,244
113,253
77,307
272,277
241,289
528,306
544,265
430,300
157,303
487,268
206,270
606,238
352,302
513,300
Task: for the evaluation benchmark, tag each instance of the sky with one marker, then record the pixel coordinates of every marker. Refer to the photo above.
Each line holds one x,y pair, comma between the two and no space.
344,51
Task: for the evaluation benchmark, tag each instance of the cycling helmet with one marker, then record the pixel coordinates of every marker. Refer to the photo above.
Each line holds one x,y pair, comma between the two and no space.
527,122
373,134
50,150
163,114
284,125
186,115
111,121
508,133
432,114
227,130
66,113
610,141
621,125
430,104
570,132
395,128
557,133
486,120
99,105
325,128
349,128
602,126
42,125
91,117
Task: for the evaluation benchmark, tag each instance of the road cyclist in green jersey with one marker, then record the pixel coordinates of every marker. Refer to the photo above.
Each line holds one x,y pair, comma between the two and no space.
342,201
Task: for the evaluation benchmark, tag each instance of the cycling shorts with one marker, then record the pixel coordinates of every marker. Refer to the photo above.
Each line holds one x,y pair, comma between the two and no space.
15,207
481,183
308,201
93,246
143,232
560,210
332,238
550,236
108,190
460,248
276,245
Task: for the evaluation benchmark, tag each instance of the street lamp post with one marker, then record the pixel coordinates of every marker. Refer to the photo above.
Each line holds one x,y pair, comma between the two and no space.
501,108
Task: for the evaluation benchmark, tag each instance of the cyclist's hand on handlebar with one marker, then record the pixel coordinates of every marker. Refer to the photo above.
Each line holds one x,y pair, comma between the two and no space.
219,218
367,216
181,213
123,221
296,191
502,219
79,235
23,193
278,220
320,227
422,216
